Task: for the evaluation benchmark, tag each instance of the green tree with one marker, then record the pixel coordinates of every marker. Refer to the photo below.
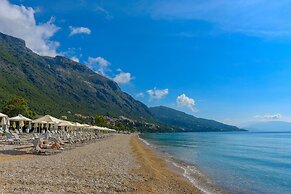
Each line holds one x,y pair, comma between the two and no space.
16,106
100,120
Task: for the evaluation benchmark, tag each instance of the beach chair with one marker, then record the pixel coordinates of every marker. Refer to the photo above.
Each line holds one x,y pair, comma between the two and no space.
75,136
68,138
47,136
82,138
9,138
35,136
16,138
36,148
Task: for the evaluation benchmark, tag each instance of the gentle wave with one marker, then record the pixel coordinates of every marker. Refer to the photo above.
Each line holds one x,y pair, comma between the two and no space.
144,141
191,173
188,176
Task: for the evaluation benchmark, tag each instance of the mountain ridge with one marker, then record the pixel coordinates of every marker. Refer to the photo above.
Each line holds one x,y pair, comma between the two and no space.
269,126
188,123
58,85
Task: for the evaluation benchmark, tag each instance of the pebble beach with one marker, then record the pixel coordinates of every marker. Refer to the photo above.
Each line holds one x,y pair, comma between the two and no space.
118,164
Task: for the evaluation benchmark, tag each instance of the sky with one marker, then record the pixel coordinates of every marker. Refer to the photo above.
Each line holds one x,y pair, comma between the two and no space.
217,59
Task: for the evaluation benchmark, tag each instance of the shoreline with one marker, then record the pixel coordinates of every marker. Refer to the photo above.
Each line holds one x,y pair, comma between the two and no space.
190,172
159,178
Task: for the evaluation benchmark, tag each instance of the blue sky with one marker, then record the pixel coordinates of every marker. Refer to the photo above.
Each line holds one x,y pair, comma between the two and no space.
217,59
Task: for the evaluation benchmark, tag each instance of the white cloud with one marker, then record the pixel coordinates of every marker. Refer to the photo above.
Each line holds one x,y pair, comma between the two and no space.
157,94
19,21
140,95
76,59
122,77
79,30
185,101
104,11
99,65
269,117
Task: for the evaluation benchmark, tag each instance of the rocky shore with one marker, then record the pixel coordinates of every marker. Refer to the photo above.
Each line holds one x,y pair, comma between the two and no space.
119,164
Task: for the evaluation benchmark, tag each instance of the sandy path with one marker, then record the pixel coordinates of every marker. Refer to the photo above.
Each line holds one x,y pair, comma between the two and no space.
101,167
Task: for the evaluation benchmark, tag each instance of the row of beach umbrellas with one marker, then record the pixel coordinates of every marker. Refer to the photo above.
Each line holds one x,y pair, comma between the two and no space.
48,122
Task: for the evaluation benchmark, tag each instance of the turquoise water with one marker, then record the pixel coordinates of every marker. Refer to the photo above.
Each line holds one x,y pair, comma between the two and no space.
240,162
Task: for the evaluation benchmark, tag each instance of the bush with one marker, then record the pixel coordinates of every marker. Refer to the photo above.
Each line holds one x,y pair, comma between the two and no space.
16,106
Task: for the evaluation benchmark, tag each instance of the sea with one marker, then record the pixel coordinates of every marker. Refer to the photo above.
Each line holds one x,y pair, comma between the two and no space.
237,162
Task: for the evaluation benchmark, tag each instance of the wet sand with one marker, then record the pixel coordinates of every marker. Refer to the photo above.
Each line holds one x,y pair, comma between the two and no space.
157,177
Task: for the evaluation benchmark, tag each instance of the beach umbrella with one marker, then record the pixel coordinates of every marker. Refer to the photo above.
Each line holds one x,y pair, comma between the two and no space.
65,124
46,125
97,128
47,119
78,126
106,129
92,127
29,127
54,125
3,115
39,123
112,130
35,125
5,121
2,121
14,125
21,124
20,118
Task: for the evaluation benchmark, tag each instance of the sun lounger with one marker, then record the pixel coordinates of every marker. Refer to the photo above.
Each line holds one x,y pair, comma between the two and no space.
36,148
9,138
16,138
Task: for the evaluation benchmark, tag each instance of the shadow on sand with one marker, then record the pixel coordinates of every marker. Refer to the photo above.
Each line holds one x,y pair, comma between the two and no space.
12,152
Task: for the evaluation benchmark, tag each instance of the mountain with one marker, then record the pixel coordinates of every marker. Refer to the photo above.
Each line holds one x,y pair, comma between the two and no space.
269,126
59,86
181,121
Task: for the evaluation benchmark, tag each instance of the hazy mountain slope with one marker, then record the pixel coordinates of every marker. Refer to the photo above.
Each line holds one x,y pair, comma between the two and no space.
58,85
269,126
185,122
